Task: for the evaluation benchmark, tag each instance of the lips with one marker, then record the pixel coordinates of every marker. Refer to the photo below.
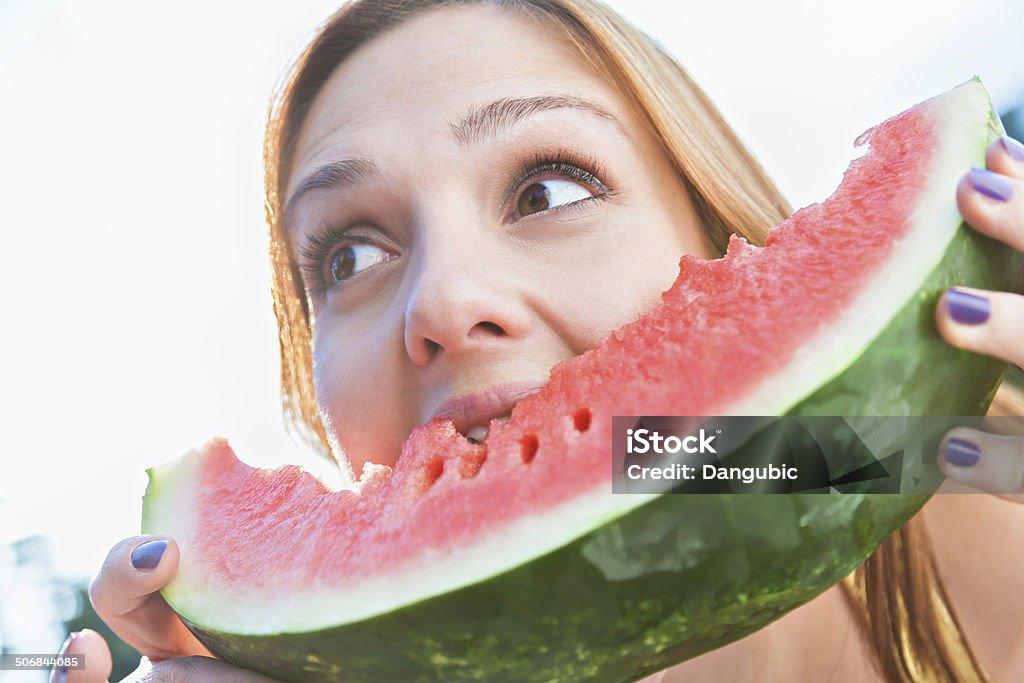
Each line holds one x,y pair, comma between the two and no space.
473,411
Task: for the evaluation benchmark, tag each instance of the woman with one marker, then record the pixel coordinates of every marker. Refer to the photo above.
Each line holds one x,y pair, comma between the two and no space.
448,187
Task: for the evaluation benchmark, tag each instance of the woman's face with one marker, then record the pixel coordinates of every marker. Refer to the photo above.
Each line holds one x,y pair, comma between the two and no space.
471,204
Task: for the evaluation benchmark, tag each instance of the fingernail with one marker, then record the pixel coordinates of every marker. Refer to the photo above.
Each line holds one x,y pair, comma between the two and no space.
967,309
67,641
60,673
962,453
147,556
1014,148
991,184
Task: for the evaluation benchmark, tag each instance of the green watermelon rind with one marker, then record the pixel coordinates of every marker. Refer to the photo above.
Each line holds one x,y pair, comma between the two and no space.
676,577
612,606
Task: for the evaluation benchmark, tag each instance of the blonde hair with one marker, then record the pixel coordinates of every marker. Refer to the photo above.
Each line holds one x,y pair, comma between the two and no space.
896,595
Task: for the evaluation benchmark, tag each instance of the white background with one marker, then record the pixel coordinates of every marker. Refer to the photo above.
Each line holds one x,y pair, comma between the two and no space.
134,282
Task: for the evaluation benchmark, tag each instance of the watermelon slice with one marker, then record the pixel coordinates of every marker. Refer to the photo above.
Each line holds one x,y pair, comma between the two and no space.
511,560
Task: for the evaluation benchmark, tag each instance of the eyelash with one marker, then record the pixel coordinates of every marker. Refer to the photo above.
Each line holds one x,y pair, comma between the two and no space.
565,163
321,244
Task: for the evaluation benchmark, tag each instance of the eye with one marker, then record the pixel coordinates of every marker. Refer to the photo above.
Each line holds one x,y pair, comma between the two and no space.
352,259
549,194
332,255
553,181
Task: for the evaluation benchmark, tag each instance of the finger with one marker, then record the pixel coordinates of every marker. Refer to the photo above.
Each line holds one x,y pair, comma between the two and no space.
993,204
125,595
983,321
134,569
141,673
988,462
201,670
96,655
1006,156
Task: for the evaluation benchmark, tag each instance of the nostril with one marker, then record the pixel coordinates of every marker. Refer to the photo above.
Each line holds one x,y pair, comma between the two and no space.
432,347
491,328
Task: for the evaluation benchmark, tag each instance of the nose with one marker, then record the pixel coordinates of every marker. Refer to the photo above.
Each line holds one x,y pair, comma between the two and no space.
459,303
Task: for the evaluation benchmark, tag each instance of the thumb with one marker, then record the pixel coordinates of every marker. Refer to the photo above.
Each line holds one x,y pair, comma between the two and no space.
95,656
135,569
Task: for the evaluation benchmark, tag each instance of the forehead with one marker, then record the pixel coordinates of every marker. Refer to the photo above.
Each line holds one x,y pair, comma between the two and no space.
409,85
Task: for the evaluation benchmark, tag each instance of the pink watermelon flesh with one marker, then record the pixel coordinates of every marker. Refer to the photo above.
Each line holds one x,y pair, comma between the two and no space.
446,492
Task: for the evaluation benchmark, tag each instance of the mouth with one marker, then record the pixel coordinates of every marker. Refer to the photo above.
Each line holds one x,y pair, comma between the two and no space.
473,413
479,433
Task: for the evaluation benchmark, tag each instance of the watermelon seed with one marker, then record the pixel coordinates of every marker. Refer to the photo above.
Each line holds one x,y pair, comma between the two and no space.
581,419
528,447
470,463
432,471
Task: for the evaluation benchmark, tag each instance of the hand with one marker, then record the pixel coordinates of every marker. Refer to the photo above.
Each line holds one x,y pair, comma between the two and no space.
992,323
195,669
126,596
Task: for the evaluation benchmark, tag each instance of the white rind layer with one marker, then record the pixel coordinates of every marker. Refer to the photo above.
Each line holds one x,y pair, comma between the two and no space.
966,113
177,481
253,612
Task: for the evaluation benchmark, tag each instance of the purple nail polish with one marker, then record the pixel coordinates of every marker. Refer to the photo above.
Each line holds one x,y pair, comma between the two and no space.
967,309
60,673
1014,148
991,184
962,453
147,556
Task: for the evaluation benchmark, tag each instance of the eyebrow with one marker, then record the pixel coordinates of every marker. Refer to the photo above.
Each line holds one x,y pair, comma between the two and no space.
478,124
500,115
333,175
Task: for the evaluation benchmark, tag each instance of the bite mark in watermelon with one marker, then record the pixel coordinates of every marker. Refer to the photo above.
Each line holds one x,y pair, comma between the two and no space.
512,560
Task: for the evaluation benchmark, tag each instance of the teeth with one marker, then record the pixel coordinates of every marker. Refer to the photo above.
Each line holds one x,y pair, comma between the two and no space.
477,435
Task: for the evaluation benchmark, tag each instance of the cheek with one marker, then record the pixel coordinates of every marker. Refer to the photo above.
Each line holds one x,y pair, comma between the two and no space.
328,383
331,388
345,373
612,277
642,261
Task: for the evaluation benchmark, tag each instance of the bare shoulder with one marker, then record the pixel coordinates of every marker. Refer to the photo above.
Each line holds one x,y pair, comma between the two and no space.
979,545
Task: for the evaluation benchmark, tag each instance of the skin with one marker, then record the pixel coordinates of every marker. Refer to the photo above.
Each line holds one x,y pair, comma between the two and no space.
475,294
462,293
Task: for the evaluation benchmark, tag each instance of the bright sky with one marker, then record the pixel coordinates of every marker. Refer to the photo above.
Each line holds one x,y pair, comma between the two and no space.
135,284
